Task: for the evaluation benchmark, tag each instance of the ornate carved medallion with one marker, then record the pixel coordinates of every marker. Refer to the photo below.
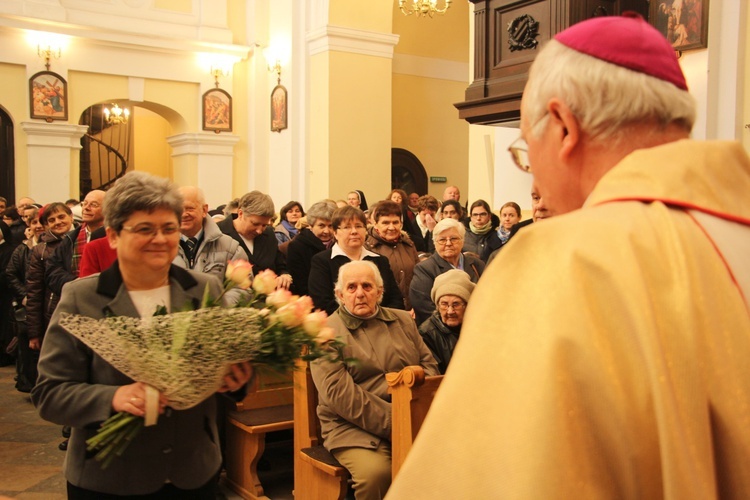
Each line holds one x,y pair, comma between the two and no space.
522,33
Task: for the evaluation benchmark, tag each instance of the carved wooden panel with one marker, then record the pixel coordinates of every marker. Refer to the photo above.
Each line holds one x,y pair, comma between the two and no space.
507,37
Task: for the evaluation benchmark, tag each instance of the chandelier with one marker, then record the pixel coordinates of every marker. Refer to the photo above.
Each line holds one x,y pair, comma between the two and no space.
116,115
423,7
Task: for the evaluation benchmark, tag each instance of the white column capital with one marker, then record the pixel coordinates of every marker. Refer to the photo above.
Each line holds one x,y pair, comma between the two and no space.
197,143
356,41
54,135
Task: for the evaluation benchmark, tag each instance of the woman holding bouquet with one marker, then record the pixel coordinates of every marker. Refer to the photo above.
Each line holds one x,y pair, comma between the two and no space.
179,457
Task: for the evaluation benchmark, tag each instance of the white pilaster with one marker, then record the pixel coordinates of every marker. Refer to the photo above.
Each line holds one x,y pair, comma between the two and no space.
53,159
205,160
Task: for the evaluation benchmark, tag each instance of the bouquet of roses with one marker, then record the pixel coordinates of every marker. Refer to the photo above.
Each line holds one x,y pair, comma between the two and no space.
185,355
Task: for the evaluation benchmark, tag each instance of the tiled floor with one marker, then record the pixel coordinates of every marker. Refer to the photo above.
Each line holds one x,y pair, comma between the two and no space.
30,462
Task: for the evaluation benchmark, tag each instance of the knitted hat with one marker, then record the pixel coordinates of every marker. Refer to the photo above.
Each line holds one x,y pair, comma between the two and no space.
454,282
627,41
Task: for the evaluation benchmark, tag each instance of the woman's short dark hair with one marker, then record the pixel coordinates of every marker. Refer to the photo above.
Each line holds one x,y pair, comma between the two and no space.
53,208
480,203
347,213
139,191
404,196
288,207
12,213
387,207
428,202
453,203
514,205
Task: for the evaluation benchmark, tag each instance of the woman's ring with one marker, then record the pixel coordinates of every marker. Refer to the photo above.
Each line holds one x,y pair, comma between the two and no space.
133,399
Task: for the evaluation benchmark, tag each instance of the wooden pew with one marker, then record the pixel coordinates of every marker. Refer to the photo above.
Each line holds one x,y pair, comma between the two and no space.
317,474
268,407
411,396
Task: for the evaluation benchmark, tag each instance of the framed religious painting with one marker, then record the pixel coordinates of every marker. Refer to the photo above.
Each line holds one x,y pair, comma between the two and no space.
48,96
684,23
278,109
217,111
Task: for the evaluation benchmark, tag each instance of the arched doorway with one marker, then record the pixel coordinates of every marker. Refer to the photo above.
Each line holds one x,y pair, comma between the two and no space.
407,172
7,159
105,150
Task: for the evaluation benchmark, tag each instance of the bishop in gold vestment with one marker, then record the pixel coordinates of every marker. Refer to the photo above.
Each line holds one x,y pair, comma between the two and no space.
622,366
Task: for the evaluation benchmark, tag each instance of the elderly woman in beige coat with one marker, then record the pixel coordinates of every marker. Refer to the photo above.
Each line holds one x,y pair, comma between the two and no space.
354,406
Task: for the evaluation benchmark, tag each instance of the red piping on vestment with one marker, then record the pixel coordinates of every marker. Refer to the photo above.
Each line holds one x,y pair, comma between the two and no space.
689,206
682,204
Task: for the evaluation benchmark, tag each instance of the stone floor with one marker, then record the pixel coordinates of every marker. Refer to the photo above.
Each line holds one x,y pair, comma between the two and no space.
30,462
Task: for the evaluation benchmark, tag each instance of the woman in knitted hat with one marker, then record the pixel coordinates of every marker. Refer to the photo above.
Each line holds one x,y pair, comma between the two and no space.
440,331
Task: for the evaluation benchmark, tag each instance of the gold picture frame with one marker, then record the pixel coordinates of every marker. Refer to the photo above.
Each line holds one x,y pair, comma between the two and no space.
217,111
48,96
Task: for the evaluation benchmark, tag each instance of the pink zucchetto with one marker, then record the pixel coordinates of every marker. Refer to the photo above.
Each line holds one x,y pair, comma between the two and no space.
627,41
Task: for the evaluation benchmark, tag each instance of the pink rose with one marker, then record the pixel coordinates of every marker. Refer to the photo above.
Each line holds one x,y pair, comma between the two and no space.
265,282
326,334
313,323
306,303
279,298
292,314
239,272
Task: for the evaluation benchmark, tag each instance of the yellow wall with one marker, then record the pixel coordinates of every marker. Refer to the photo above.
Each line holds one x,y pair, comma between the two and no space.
426,123
14,99
87,89
359,15
441,37
185,6
360,125
184,98
318,118
152,154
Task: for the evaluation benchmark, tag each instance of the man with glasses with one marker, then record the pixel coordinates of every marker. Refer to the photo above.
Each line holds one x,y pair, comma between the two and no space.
618,367
18,227
441,330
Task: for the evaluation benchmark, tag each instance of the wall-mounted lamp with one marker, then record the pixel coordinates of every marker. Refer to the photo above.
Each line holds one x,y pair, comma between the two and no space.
47,53
218,72
48,45
116,115
426,8
275,60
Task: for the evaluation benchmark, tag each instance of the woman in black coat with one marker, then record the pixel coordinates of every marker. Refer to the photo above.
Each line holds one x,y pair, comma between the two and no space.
350,231
310,241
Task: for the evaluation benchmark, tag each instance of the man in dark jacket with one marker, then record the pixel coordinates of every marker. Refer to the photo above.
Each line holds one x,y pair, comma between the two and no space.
250,227
441,330
62,266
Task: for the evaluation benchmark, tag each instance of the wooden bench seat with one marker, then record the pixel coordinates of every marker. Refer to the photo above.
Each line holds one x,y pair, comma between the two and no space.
411,396
317,474
268,407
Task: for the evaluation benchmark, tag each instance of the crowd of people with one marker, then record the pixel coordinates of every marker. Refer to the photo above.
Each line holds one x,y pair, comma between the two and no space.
408,242
604,352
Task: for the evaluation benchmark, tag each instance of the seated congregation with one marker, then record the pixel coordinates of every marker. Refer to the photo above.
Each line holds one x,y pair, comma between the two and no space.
395,281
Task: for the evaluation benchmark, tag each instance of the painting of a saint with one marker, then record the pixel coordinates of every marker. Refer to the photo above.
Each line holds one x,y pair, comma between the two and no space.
48,96
683,22
217,111
278,109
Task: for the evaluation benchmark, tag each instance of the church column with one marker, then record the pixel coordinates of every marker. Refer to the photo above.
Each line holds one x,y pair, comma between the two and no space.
53,160
204,160
349,110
